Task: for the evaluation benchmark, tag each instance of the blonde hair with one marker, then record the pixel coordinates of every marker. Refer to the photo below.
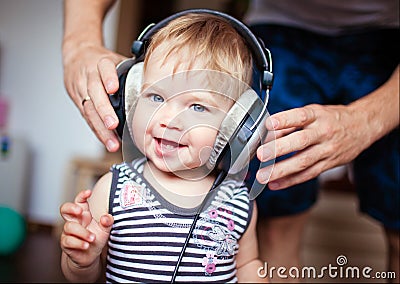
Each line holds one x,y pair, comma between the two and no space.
209,38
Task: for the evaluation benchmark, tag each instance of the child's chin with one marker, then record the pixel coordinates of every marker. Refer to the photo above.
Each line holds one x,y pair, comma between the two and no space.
169,166
178,168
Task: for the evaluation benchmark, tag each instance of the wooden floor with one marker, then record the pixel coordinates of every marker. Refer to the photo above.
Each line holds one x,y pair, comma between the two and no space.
335,229
36,261
337,234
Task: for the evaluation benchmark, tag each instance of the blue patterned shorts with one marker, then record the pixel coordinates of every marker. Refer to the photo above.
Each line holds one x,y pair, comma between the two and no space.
310,68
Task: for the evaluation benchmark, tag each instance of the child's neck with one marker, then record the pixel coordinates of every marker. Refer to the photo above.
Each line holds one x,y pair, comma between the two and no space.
181,191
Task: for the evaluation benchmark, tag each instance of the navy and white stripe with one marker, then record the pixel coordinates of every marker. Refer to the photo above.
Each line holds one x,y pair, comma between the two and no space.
148,232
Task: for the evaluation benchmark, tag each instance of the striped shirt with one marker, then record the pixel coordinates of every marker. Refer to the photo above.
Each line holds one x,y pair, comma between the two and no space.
148,231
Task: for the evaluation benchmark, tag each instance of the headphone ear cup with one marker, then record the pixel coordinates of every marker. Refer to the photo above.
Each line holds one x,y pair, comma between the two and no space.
133,87
130,82
244,145
117,101
222,157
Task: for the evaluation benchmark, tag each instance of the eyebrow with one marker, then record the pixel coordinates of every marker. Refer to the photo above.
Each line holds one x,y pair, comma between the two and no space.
146,86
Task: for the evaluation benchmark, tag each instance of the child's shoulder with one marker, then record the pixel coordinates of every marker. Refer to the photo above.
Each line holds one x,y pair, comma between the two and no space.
233,189
100,194
234,185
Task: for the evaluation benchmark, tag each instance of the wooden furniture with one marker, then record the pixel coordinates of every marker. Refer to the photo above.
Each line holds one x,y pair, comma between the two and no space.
83,172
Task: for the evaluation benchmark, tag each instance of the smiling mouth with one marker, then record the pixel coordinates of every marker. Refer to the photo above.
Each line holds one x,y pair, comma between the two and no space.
166,146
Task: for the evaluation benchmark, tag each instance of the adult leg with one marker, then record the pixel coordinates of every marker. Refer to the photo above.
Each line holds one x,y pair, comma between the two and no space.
283,213
393,239
280,240
371,59
376,173
281,222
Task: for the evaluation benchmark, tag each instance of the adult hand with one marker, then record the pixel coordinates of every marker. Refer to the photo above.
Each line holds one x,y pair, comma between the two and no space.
322,137
90,72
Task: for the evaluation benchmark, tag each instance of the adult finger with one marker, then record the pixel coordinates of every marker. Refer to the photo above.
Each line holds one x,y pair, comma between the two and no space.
308,161
75,82
106,136
297,117
273,135
108,75
296,141
298,177
263,175
101,102
294,164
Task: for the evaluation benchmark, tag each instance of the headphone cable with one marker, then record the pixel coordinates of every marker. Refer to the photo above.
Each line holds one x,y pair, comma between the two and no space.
222,174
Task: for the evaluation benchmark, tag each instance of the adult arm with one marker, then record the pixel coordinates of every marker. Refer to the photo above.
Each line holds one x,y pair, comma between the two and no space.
89,67
324,137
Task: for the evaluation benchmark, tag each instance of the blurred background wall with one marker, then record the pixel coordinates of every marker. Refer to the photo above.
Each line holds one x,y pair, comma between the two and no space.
44,128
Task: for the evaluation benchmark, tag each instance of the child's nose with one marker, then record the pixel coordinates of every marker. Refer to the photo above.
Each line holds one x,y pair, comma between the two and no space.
170,117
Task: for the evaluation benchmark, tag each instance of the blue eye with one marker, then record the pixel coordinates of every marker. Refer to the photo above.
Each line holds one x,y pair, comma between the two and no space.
156,98
198,108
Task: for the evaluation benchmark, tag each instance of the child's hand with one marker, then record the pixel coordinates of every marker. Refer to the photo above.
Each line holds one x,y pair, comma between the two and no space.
83,238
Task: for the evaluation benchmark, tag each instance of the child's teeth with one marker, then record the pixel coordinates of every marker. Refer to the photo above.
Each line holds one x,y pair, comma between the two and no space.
168,147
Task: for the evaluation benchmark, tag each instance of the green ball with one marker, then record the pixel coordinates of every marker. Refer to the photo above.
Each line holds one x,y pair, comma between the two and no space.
12,230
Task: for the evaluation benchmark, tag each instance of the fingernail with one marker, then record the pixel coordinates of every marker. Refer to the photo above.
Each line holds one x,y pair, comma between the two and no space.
266,154
274,122
110,86
109,121
264,175
91,237
111,145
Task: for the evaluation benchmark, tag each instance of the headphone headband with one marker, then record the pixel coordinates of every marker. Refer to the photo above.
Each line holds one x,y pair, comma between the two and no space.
261,55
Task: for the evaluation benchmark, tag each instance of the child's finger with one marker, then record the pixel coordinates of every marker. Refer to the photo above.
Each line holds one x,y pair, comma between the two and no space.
71,212
83,196
72,243
76,230
106,222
